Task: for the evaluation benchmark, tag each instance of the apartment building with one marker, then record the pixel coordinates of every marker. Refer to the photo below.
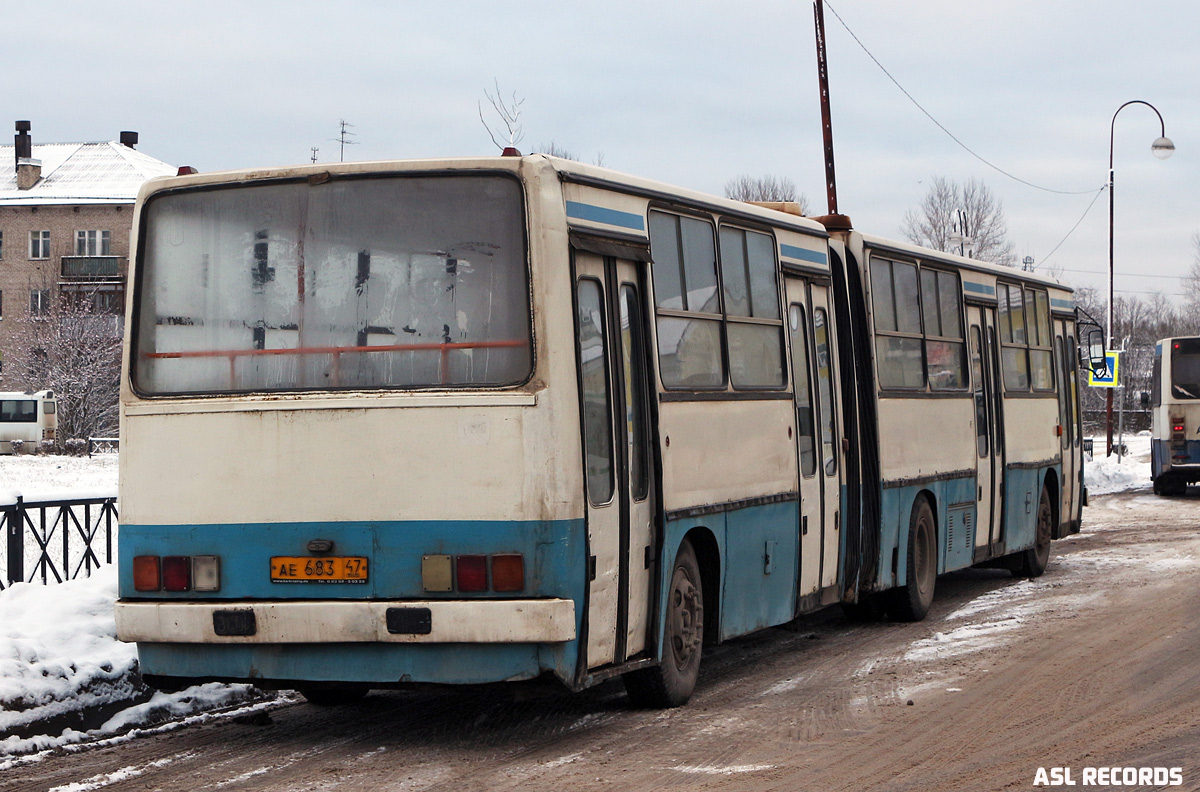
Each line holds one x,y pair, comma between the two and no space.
66,213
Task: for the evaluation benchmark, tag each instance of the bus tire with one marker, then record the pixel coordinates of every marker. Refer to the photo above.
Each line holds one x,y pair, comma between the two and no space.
1033,562
671,682
334,695
911,601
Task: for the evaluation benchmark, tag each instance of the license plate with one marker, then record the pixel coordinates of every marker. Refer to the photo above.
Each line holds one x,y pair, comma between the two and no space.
305,569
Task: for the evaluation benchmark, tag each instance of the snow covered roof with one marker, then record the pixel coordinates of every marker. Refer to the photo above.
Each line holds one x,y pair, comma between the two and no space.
80,173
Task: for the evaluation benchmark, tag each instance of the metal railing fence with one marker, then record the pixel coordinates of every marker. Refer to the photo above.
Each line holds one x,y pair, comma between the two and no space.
57,540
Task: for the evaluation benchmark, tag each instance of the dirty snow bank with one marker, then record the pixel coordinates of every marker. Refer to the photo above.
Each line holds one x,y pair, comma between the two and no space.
65,678
1103,475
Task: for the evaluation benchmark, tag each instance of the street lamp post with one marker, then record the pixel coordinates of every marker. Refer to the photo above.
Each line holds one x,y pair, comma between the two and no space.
1161,148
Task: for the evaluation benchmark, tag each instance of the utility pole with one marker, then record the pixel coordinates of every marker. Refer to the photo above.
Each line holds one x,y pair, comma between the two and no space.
826,115
314,155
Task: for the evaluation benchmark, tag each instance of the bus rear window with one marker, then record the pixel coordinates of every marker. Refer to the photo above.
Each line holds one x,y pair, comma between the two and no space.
354,283
1185,369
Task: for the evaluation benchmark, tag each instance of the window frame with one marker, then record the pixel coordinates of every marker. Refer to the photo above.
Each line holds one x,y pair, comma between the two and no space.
924,333
1037,338
99,240
40,242
526,272
727,323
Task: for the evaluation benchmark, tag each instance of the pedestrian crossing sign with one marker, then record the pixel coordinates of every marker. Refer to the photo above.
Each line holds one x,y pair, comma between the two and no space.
1109,377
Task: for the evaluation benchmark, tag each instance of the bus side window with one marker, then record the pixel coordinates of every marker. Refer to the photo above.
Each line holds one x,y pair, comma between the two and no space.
1156,383
825,391
981,417
597,412
805,431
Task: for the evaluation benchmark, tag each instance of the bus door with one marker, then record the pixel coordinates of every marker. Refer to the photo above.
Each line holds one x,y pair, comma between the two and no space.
610,333
827,446
807,440
988,435
1071,461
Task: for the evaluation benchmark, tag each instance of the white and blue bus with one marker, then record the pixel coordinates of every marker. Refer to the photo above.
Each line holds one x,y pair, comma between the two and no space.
520,418
1175,415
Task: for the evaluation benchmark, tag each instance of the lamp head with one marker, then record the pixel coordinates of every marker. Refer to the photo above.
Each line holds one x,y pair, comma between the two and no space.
1162,148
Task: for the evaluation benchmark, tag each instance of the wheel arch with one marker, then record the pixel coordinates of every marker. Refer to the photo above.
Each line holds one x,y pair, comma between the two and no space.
708,556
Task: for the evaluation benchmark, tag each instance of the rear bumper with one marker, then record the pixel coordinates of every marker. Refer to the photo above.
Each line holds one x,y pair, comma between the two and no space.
342,621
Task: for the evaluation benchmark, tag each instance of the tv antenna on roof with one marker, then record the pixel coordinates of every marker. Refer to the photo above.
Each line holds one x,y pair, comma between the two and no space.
342,139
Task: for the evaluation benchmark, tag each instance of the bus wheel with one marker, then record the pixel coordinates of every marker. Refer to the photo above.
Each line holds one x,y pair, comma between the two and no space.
671,682
1032,563
911,601
334,695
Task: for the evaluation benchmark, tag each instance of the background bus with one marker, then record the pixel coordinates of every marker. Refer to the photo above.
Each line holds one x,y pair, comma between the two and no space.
518,418
27,416
1175,415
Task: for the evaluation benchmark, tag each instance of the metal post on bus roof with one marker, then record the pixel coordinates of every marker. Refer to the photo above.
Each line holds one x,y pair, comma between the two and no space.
1161,148
826,116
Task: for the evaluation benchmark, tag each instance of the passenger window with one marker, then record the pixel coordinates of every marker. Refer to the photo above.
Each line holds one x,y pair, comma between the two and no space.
981,413
805,426
597,410
753,329
634,365
825,391
689,311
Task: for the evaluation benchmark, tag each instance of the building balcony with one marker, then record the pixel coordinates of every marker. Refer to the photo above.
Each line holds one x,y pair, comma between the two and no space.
92,268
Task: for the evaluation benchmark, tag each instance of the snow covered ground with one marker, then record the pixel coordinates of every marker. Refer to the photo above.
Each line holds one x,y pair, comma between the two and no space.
59,657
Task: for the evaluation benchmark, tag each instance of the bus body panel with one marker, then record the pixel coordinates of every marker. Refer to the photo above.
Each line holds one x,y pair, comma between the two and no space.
708,459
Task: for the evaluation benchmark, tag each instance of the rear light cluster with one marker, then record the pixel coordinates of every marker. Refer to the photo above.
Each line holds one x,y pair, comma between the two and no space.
177,573
469,573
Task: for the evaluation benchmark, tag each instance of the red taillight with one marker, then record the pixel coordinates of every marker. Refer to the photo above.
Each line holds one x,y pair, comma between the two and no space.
471,571
145,573
508,572
177,573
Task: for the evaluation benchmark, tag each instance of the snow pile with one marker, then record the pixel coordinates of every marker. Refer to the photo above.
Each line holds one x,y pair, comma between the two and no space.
1104,475
65,678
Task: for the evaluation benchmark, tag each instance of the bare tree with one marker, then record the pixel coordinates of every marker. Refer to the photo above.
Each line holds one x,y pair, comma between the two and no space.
765,188
510,118
933,223
1191,291
74,350
552,149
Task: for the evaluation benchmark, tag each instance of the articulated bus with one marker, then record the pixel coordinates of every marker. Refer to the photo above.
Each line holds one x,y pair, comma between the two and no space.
29,417
520,418
1175,415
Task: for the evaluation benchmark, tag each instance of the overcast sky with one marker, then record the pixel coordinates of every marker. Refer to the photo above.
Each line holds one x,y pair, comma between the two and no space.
690,93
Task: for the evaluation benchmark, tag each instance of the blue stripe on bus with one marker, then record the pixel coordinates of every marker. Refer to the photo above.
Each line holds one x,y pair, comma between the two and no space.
452,664
1068,304
555,566
602,214
553,550
979,288
803,254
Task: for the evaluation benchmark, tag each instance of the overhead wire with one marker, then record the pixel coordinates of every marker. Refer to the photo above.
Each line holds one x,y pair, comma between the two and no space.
942,127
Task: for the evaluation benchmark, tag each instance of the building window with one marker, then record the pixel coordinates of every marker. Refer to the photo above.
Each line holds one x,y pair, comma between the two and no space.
39,244
93,243
39,302
1,244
